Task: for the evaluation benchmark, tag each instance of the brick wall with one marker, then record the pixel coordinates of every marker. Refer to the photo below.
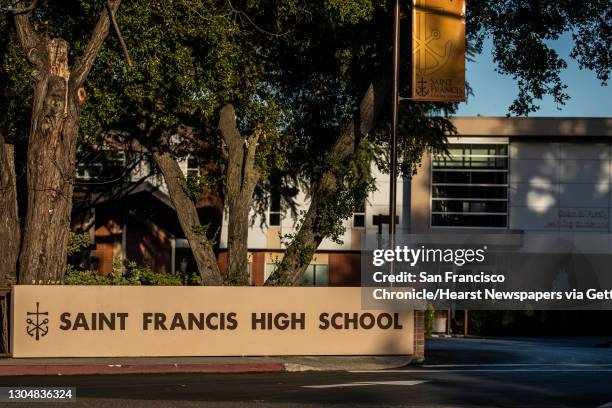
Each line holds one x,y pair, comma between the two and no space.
419,334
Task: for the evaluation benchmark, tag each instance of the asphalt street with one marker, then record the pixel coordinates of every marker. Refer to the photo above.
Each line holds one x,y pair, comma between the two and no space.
458,373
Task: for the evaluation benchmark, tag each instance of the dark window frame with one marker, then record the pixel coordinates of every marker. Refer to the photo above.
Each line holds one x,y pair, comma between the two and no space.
275,216
456,201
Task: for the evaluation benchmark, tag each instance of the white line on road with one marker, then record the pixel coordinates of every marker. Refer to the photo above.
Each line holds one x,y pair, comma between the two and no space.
365,383
515,365
485,370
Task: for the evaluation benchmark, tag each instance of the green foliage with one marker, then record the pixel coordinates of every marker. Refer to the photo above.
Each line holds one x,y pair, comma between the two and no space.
296,72
356,181
201,230
76,242
15,91
197,184
205,235
133,275
71,20
305,254
192,186
80,277
351,12
429,319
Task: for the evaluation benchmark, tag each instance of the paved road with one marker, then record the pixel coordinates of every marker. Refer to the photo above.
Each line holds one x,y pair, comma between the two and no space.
447,380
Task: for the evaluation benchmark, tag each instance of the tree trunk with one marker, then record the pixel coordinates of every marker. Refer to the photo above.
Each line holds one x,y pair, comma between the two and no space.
50,169
9,221
56,110
188,217
242,177
237,243
309,237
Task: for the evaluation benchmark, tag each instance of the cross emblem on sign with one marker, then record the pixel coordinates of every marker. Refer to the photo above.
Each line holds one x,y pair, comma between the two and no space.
37,328
422,89
426,58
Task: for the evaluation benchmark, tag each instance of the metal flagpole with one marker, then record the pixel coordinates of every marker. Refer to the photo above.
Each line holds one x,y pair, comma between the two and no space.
394,128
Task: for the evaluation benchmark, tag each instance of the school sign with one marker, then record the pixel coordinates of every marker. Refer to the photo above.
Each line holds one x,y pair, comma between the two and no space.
116,321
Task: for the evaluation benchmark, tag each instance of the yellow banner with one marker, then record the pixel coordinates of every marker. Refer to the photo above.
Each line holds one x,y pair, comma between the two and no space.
117,321
438,50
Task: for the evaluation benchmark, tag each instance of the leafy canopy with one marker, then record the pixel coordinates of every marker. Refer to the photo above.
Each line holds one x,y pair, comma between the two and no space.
296,70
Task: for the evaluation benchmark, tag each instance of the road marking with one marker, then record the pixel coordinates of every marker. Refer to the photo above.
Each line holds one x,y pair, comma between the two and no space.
485,370
365,383
515,365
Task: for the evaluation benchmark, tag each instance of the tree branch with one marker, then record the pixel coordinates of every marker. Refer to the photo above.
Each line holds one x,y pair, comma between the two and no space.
110,137
242,14
126,53
85,63
201,247
24,10
251,175
227,126
25,32
309,236
190,133
185,210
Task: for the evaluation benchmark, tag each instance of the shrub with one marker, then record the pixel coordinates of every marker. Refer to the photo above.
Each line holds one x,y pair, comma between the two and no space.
429,317
76,242
133,275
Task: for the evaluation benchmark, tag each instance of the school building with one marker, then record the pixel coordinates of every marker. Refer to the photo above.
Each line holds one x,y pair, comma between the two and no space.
513,174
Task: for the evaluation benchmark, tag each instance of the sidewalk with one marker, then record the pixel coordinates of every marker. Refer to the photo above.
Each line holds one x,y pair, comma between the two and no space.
144,365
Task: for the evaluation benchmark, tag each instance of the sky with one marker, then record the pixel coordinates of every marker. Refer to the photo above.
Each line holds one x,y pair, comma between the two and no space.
494,93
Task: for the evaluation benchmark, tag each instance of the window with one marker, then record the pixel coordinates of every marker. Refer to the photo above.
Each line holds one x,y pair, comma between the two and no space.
316,275
274,213
470,186
359,216
193,169
102,166
270,267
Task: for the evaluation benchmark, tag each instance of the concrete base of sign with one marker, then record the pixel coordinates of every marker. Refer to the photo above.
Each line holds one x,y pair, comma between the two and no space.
86,366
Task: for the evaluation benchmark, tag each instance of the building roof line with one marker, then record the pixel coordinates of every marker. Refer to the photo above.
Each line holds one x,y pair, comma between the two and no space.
532,126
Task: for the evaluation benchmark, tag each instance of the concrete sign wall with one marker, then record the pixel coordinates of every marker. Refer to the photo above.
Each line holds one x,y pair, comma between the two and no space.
113,321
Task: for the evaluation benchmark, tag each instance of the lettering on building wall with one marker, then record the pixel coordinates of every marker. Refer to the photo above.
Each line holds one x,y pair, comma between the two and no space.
581,218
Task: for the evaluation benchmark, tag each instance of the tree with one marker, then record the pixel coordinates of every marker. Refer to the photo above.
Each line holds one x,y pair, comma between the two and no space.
327,65
9,223
521,33
194,91
57,101
307,81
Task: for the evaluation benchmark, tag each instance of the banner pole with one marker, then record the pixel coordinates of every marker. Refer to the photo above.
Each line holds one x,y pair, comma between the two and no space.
394,128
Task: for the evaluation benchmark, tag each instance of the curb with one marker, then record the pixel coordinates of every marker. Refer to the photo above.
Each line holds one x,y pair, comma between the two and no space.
92,369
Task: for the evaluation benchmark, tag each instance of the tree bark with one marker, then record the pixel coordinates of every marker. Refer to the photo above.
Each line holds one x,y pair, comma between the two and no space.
56,110
188,217
242,177
9,221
